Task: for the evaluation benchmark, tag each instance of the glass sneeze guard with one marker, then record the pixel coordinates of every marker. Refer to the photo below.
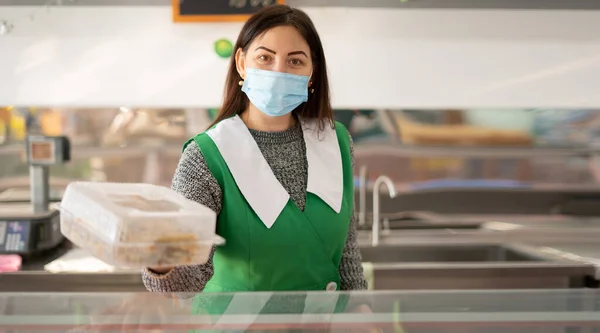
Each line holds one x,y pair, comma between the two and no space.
406,311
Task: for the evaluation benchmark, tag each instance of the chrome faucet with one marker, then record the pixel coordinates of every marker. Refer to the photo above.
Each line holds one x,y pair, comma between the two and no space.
362,195
392,190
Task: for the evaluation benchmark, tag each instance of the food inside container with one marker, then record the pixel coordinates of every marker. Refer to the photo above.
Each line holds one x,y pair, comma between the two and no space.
137,225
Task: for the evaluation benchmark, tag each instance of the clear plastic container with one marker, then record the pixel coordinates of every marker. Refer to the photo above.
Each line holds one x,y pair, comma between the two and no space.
137,225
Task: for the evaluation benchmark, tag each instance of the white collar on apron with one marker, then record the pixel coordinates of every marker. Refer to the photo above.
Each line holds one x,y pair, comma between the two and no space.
256,181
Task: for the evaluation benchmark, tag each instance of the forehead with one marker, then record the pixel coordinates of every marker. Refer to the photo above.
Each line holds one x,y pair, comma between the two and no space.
282,38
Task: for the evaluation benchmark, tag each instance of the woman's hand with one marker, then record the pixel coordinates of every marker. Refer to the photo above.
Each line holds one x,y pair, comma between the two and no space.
364,309
146,312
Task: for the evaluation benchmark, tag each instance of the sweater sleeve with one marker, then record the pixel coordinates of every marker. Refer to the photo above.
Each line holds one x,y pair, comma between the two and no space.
351,271
193,180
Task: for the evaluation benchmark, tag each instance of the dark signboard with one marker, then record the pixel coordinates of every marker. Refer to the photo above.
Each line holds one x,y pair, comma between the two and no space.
217,10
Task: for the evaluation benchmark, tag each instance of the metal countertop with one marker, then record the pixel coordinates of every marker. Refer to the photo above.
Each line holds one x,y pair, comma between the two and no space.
103,278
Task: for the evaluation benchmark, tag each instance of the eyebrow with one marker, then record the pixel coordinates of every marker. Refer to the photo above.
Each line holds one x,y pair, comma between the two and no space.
291,53
297,52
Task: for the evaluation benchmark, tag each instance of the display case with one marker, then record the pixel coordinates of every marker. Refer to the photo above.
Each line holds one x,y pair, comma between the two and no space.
504,148
419,311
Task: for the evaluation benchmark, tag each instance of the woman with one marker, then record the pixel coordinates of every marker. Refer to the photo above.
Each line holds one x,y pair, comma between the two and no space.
276,169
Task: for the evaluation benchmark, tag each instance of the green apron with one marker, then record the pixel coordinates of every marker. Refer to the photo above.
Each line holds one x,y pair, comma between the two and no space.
301,251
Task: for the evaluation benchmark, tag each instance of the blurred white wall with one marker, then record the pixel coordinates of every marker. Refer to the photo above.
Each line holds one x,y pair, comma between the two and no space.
377,57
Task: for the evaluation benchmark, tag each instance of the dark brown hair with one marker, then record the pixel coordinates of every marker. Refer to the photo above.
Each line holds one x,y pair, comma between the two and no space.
318,105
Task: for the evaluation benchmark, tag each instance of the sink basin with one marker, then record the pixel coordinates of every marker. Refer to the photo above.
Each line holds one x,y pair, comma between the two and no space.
445,254
469,266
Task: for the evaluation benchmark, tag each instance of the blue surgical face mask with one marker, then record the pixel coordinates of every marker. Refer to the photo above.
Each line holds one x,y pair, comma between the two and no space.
275,93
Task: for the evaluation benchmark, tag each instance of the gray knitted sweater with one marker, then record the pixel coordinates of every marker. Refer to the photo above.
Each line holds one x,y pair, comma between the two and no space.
285,153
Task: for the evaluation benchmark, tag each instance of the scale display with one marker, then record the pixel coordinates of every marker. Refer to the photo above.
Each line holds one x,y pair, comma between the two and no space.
217,10
42,151
14,236
48,150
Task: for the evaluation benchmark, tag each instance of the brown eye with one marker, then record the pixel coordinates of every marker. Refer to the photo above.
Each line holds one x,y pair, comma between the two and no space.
263,57
296,62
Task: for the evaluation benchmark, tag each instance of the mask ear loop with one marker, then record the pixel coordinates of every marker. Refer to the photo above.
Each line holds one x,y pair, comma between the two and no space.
310,90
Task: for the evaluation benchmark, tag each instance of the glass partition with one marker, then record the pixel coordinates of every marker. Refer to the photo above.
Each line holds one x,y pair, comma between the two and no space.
419,311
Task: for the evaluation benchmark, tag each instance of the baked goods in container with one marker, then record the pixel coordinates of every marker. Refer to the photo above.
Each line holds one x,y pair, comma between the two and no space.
144,204
137,225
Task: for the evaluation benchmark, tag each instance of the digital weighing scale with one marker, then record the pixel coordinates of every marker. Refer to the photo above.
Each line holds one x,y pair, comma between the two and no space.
27,224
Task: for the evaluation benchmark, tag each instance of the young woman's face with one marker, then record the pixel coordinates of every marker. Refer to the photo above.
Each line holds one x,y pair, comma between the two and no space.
281,49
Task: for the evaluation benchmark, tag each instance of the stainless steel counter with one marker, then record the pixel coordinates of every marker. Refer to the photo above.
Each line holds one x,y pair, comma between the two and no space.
69,269
589,253
469,264
561,237
393,265
40,281
410,259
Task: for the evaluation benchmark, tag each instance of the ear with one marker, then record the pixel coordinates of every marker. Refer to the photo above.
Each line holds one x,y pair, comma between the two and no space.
240,62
